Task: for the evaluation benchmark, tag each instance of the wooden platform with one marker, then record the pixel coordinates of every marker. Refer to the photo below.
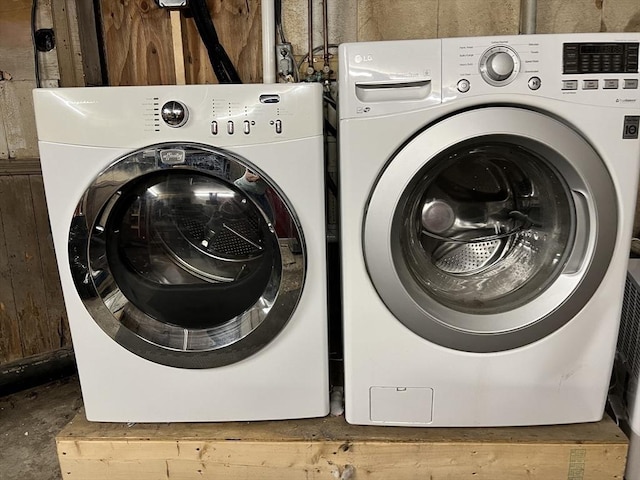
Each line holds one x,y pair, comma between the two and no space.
329,448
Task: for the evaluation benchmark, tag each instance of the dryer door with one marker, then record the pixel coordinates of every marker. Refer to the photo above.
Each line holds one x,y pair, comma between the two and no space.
490,229
175,252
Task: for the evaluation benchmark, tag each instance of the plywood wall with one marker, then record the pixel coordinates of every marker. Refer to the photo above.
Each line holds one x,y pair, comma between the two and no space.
138,42
32,313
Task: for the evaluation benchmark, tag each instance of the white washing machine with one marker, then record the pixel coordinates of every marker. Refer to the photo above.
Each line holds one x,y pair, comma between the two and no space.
172,210
487,196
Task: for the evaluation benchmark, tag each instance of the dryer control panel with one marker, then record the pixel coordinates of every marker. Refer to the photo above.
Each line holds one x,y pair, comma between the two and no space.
222,115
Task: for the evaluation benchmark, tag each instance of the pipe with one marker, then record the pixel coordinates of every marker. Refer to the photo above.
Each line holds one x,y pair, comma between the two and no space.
528,12
310,69
268,41
325,35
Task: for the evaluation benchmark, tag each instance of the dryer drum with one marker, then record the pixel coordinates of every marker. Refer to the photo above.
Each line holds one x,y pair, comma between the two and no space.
189,250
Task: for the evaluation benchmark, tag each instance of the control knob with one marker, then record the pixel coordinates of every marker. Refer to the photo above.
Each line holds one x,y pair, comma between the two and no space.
174,113
499,65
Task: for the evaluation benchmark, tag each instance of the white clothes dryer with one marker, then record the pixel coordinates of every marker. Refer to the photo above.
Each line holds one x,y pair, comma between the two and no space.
171,210
487,197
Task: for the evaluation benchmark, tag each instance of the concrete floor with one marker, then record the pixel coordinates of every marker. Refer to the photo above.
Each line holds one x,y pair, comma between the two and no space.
29,422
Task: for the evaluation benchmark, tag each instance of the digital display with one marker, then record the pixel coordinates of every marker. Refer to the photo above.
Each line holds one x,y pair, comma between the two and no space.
600,48
589,58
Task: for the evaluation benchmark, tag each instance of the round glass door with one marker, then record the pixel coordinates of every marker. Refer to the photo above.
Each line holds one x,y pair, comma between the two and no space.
487,227
490,229
184,264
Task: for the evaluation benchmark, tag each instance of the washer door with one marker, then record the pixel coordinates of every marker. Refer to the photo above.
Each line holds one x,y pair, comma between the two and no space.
175,253
490,229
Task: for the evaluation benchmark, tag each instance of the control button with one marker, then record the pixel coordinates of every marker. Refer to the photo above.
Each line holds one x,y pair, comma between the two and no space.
534,83
463,85
569,85
246,127
174,114
611,84
230,127
214,128
278,126
590,84
500,66
630,83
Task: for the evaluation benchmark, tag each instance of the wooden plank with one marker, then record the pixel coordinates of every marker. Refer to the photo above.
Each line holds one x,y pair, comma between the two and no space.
560,16
621,16
10,347
4,147
469,18
238,26
22,166
82,22
18,118
16,47
36,332
325,448
49,69
399,20
55,308
138,47
68,49
178,47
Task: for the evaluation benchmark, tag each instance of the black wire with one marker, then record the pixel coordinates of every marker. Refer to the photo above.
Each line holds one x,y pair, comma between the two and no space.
222,66
34,7
278,15
330,129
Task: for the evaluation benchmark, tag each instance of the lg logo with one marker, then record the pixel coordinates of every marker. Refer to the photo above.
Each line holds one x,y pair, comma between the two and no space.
363,58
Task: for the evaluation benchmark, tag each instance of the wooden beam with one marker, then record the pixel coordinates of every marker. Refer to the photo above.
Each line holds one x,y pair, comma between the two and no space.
325,448
22,166
178,47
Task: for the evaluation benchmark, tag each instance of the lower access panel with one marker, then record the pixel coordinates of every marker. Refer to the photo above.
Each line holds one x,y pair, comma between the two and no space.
401,404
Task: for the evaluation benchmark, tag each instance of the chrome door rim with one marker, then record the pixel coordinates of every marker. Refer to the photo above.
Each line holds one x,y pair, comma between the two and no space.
229,342
583,170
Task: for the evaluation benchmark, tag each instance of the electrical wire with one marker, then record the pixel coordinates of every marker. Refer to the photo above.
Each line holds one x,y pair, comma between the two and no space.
34,8
278,15
222,66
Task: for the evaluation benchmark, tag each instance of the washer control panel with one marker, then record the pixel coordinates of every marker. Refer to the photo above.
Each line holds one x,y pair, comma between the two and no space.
572,67
388,77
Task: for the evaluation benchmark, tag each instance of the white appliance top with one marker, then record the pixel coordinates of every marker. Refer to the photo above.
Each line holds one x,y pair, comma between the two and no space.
224,115
378,78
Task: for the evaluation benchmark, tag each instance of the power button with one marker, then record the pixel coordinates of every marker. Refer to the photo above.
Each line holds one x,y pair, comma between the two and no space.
463,85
